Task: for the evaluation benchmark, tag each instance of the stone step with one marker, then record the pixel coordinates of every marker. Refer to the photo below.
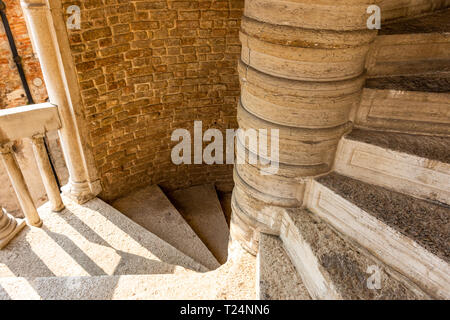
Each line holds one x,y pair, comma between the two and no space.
437,22
416,104
150,208
200,207
233,281
225,202
408,9
277,277
438,82
410,164
406,233
334,268
412,46
92,239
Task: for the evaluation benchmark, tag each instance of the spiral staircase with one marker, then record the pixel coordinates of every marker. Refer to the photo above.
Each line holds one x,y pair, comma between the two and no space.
371,222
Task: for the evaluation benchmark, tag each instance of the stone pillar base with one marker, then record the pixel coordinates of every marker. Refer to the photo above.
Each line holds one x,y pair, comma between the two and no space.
78,192
9,228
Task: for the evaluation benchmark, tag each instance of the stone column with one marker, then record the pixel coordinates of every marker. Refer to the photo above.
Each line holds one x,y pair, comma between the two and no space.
9,227
19,185
301,72
40,25
45,169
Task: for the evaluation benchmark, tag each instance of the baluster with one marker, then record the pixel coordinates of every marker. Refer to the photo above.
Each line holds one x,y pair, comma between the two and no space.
45,169
19,185
9,227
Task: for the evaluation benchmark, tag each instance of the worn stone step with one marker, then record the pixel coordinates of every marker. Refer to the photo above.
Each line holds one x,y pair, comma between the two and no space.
437,22
277,277
334,268
438,82
416,103
411,164
150,208
409,9
412,46
406,233
92,239
200,207
233,281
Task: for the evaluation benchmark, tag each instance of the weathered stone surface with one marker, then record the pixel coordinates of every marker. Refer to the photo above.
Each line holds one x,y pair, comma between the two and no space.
438,22
297,146
398,9
429,147
343,268
404,111
9,227
424,222
278,278
302,75
438,82
93,239
411,46
298,103
233,281
200,207
150,208
350,15
406,233
39,119
413,165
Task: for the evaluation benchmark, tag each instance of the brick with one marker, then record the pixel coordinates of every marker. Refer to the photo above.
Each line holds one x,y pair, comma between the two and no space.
146,68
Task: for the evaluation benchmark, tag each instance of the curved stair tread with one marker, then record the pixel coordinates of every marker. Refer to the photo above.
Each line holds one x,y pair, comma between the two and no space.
437,82
278,278
424,222
233,281
424,146
200,207
335,268
437,22
92,239
150,208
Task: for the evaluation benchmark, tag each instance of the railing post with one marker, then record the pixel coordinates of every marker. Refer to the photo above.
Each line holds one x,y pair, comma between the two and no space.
19,185
9,227
45,169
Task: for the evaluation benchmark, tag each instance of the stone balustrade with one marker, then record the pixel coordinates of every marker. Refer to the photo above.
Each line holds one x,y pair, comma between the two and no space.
28,122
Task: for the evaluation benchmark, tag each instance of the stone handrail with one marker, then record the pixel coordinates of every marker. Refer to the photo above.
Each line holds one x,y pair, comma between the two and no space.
31,122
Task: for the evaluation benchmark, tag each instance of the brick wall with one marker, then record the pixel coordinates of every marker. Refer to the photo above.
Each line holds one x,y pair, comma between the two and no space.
11,89
147,68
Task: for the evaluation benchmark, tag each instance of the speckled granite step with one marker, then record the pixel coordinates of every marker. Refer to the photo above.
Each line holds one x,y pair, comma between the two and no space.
437,22
432,82
415,165
429,147
92,239
412,46
200,207
417,103
277,277
150,208
409,234
334,268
